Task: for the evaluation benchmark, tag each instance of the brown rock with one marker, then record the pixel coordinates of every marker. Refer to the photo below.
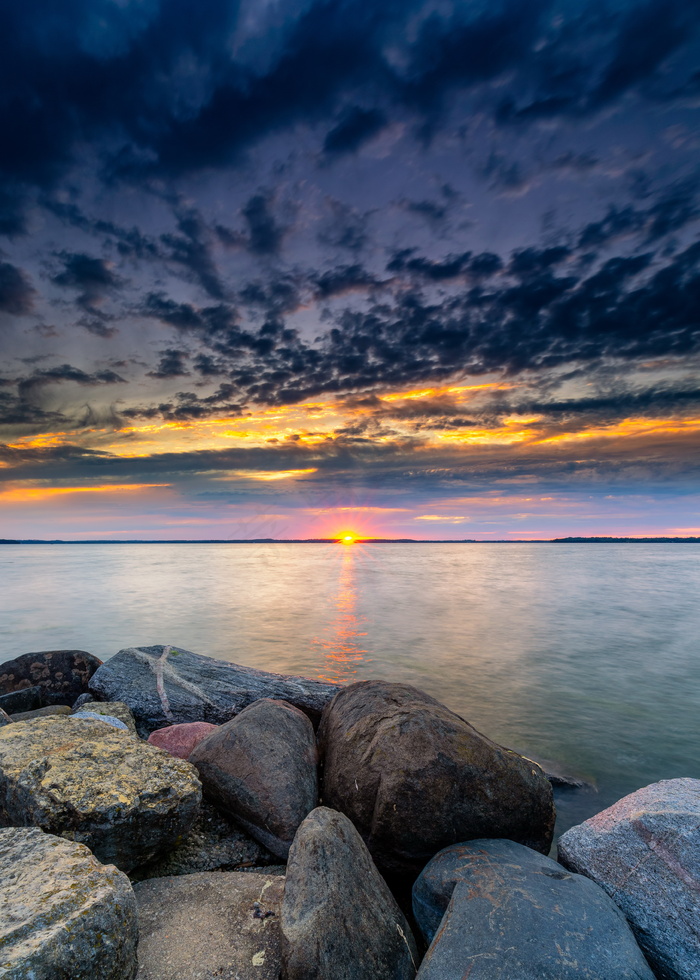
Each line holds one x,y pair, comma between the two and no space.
181,740
62,675
414,777
260,768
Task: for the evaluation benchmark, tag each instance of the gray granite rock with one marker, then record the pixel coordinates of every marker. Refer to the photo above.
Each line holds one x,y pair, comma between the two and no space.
645,852
88,782
213,844
84,699
222,925
4,718
339,919
63,915
512,913
62,675
26,699
260,769
166,685
414,777
115,709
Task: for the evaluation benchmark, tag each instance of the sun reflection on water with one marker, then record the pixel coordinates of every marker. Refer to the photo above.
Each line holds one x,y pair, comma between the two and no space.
341,643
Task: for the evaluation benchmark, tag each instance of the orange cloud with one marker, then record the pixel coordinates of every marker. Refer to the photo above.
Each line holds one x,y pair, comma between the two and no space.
455,519
271,474
25,494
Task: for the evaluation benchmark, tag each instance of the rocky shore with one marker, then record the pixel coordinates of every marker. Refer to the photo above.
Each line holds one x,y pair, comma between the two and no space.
167,816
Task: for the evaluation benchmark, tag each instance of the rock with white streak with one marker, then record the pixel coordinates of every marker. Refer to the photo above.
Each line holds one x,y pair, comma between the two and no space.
166,685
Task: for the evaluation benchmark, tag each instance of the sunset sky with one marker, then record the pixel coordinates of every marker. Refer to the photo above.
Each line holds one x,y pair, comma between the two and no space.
289,268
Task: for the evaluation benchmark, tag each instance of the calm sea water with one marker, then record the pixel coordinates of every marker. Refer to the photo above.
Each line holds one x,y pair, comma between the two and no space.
585,654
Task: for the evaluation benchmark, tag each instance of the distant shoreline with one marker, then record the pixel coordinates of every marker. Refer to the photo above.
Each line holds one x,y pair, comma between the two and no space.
569,540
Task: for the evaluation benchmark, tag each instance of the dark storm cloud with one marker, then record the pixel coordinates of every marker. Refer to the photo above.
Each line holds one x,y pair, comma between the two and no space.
16,291
536,310
356,126
159,92
672,209
655,400
66,373
264,234
464,265
345,279
344,228
171,365
191,249
26,404
91,277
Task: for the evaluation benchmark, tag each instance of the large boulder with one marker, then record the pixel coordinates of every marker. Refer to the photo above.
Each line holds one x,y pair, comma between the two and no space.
89,782
260,768
339,918
63,915
213,844
414,777
166,685
645,852
213,924
62,675
511,912
182,740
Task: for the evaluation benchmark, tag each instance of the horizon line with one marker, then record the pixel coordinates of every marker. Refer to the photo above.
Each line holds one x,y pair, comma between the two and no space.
569,539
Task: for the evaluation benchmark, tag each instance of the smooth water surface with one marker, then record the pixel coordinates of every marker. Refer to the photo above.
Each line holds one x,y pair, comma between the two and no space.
587,654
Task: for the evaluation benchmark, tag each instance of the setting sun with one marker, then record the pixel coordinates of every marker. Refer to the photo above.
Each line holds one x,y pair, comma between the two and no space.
347,539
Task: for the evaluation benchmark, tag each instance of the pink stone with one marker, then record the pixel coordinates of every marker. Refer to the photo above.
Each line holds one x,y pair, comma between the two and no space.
180,740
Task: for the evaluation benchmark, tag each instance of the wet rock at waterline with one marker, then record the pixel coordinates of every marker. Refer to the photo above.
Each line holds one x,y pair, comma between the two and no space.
645,852
511,912
165,685
181,740
213,924
88,782
414,777
61,675
339,919
260,768
62,913
214,843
